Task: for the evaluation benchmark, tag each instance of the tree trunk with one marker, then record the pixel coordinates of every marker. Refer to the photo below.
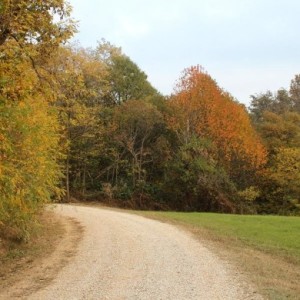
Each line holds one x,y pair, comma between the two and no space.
68,179
84,181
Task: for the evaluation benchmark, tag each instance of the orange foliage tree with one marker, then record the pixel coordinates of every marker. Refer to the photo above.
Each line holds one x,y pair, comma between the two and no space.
204,109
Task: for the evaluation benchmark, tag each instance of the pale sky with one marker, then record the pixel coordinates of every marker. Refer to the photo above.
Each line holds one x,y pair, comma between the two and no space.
247,46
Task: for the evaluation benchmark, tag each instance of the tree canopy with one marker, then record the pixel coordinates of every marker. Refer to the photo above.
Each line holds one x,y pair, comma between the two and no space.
30,151
277,119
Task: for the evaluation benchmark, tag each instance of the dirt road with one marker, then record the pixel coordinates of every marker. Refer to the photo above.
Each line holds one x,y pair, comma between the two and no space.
124,256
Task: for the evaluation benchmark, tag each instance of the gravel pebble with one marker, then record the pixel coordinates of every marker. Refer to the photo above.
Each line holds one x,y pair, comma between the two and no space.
124,256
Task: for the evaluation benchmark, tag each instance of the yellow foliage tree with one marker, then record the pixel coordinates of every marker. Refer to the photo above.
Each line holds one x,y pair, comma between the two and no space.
29,149
285,172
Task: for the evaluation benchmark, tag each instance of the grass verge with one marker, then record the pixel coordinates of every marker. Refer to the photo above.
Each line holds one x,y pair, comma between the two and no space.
265,248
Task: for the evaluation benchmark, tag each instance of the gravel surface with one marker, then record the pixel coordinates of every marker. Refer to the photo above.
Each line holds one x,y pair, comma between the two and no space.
124,256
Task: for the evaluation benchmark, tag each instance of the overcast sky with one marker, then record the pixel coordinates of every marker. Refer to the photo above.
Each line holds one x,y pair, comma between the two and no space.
247,46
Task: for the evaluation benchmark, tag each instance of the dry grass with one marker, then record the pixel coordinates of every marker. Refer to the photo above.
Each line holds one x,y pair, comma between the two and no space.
26,268
16,256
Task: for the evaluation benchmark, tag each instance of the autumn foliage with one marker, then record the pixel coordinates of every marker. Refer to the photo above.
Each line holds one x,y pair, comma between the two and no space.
206,110
30,152
277,120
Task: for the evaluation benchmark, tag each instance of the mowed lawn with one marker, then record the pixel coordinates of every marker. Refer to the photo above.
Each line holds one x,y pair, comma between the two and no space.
265,248
278,234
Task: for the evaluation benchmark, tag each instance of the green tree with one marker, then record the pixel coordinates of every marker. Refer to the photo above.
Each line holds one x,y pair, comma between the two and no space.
259,104
135,129
279,103
295,93
195,181
127,81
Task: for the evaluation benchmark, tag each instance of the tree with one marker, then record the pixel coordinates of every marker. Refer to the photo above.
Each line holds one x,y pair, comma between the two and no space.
209,112
278,123
195,181
285,171
295,93
280,130
281,102
280,183
126,79
29,168
31,22
203,111
29,128
78,81
260,104
135,128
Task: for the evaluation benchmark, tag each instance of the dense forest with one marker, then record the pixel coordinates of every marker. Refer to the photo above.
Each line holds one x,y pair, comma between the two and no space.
86,124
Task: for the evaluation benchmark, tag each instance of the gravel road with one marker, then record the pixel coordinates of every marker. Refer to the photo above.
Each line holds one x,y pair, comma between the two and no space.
124,256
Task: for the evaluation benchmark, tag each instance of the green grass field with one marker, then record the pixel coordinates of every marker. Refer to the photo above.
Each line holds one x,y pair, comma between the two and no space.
265,248
269,233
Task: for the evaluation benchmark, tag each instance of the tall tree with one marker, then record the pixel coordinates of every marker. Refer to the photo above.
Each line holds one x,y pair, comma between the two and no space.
133,133
78,81
29,128
279,126
127,80
209,112
203,110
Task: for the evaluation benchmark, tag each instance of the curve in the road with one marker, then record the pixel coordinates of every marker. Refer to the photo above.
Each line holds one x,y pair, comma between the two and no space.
125,256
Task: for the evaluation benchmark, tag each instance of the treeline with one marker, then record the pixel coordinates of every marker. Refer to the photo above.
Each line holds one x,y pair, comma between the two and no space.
86,123
277,119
